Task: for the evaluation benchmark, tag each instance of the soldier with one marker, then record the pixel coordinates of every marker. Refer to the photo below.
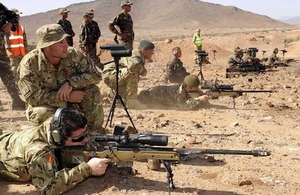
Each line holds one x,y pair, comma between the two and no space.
273,59
89,36
8,22
185,96
175,72
66,25
55,75
122,26
131,68
236,58
16,46
197,40
30,154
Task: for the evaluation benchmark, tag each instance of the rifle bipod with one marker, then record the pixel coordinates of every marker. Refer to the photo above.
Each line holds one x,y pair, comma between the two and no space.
170,175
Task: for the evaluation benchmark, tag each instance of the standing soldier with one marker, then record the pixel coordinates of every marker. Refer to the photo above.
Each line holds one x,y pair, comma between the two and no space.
8,22
16,45
122,26
197,40
88,37
66,25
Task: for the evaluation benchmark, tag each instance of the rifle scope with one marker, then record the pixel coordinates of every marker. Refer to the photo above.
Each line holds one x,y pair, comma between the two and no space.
148,139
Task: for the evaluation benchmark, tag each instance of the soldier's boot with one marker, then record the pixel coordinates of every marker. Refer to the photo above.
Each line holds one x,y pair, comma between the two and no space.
13,91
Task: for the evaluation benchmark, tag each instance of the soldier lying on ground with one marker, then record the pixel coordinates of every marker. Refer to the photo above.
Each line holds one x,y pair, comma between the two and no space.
185,96
175,72
55,75
29,154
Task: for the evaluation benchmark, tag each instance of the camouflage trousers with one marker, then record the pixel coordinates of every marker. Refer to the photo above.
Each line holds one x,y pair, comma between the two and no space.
91,106
127,85
14,65
90,50
127,44
8,80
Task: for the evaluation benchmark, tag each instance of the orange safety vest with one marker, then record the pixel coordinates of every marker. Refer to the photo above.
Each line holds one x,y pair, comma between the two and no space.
16,40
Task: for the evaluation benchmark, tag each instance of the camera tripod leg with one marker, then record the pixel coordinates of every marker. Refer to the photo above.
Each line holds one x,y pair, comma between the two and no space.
111,111
126,110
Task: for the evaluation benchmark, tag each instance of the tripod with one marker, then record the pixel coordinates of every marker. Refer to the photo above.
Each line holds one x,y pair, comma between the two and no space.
214,59
117,95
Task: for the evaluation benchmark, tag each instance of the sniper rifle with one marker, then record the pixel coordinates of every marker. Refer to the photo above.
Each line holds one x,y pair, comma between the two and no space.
126,148
217,91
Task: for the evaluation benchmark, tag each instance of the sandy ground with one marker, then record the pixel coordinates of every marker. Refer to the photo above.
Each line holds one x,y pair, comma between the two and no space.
261,120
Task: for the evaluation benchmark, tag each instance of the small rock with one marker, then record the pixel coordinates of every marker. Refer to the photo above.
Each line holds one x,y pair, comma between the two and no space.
246,182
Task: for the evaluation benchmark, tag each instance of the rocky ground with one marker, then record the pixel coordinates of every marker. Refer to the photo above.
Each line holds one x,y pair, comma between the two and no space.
260,120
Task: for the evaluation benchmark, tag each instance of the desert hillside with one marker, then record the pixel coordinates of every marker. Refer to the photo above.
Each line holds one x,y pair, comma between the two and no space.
158,17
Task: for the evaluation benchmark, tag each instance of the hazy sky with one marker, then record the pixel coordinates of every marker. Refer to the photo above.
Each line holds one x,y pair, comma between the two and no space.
273,8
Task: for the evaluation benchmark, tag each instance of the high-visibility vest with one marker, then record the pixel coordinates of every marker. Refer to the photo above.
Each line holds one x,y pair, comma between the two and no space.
197,39
16,40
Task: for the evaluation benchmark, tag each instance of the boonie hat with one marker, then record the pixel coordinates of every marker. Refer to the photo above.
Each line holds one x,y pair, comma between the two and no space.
63,10
191,81
50,34
16,11
145,44
126,2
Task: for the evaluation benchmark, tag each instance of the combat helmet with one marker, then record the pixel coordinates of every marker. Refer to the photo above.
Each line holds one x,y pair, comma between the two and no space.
191,81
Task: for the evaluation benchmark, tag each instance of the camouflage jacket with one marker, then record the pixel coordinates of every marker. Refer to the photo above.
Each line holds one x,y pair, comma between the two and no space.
3,56
235,60
67,26
28,155
134,64
122,23
173,96
40,80
175,72
89,33
273,59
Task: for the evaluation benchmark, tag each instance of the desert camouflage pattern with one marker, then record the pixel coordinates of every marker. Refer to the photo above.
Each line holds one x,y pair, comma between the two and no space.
175,72
67,26
235,60
273,59
88,38
131,68
123,23
28,155
40,81
173,96
7,75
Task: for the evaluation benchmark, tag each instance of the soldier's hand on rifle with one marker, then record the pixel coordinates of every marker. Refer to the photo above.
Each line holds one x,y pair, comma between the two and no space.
203,98
76,96
98,165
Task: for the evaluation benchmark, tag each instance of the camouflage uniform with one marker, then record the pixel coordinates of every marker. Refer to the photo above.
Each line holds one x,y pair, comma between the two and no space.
29,155
123,23
8,78
173,96
67,26
175,72
235,60
40,81
273,59
88,38
131,68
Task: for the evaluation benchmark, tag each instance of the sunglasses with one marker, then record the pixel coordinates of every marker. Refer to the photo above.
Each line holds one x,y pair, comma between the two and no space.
81,137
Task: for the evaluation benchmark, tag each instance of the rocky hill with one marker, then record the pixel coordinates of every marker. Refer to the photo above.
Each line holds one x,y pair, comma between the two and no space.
156,15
